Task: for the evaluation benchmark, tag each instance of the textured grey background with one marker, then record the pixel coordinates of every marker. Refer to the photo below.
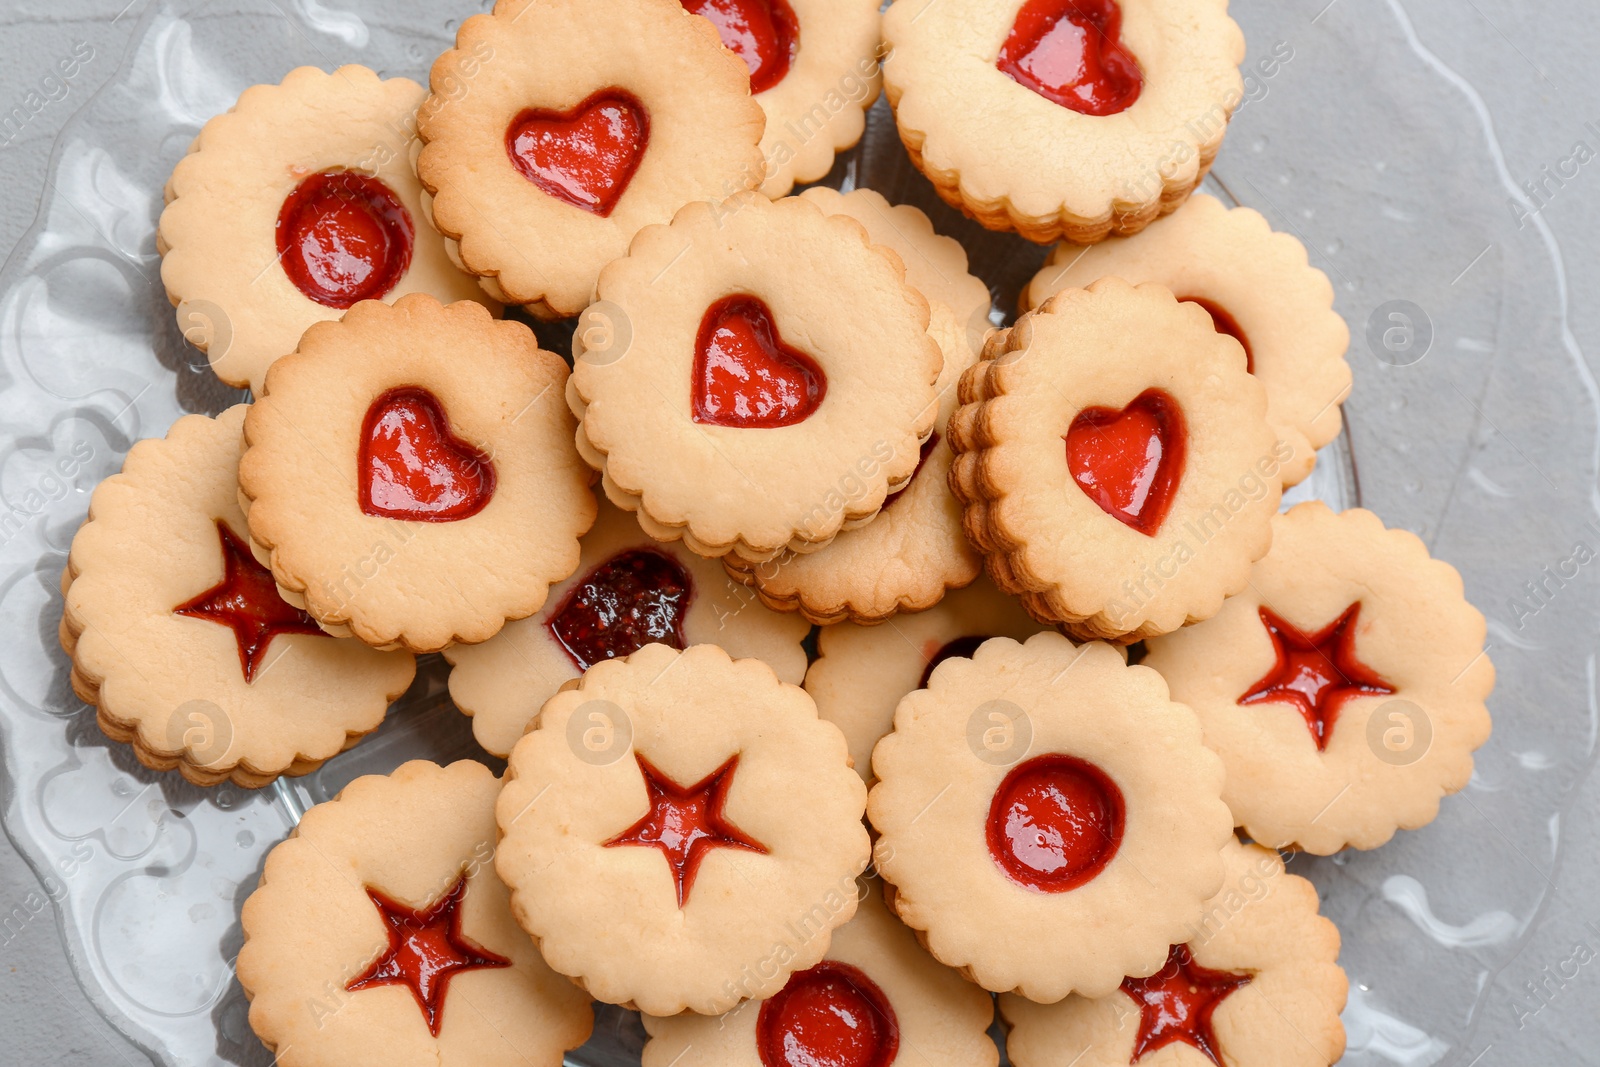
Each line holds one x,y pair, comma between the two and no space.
1532,61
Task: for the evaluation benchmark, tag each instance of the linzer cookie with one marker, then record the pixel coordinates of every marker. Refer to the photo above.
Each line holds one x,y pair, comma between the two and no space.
1048,819
754,377
1115,462
1256,984
410,475
291,207
1344,688
813,69
680,831
1259,289
875,999
1063,118
179,638
629,591
580,125
907,557
861,672
379,933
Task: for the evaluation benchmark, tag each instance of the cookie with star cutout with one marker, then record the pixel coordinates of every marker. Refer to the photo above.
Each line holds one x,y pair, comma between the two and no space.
379,933
178,635
877,998
1344,687
754,377
1255,985
1115,462
293,205
629,590
681,832
409,474
558,129
1258,287
1048,820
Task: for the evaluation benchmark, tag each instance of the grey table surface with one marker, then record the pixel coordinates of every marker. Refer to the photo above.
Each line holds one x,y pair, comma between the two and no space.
1531,60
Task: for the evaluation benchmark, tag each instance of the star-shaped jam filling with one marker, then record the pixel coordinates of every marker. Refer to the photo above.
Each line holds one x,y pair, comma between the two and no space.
1317,673
1177,1002
686,822
426,950
247,601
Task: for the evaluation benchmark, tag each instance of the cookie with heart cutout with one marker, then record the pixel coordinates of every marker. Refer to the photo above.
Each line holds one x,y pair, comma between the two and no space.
1259,289
754,377
1074,119
698,853
577,127
178,636
875,993
1344,687
409,474
1048,820
861,672
379,933
629,590
1257,984
907,557
1115,462
291,207
813,69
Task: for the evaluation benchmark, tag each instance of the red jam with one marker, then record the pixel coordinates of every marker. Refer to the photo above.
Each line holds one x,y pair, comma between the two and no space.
344,237
584,157
961,646
1176,1004
686,822
1317,673
922,460
829,1016
1130,461
1068,52
1226,324
426,950
631,600
745,376
763,33
412,467
1054,823
247,601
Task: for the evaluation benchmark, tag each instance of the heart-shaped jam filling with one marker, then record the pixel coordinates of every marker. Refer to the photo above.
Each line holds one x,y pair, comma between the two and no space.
631,600
584,157
411,466
961,646
763,33
1317,673
1226,324
1130,461
343,237
1177,1002
1069,52
832,1015
1055,822
745,376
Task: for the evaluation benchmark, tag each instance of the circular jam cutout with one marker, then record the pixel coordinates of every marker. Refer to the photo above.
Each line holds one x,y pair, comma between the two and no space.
745,376
412,467
829,1016
1225,324
633,599
763,33
1069,52
344,237
1130,461
961,646
1054,823
584,157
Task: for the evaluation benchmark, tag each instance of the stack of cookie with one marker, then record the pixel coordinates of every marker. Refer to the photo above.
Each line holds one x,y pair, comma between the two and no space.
798,416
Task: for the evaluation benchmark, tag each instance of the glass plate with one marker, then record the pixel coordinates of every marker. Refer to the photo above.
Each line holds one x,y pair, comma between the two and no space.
1472,423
